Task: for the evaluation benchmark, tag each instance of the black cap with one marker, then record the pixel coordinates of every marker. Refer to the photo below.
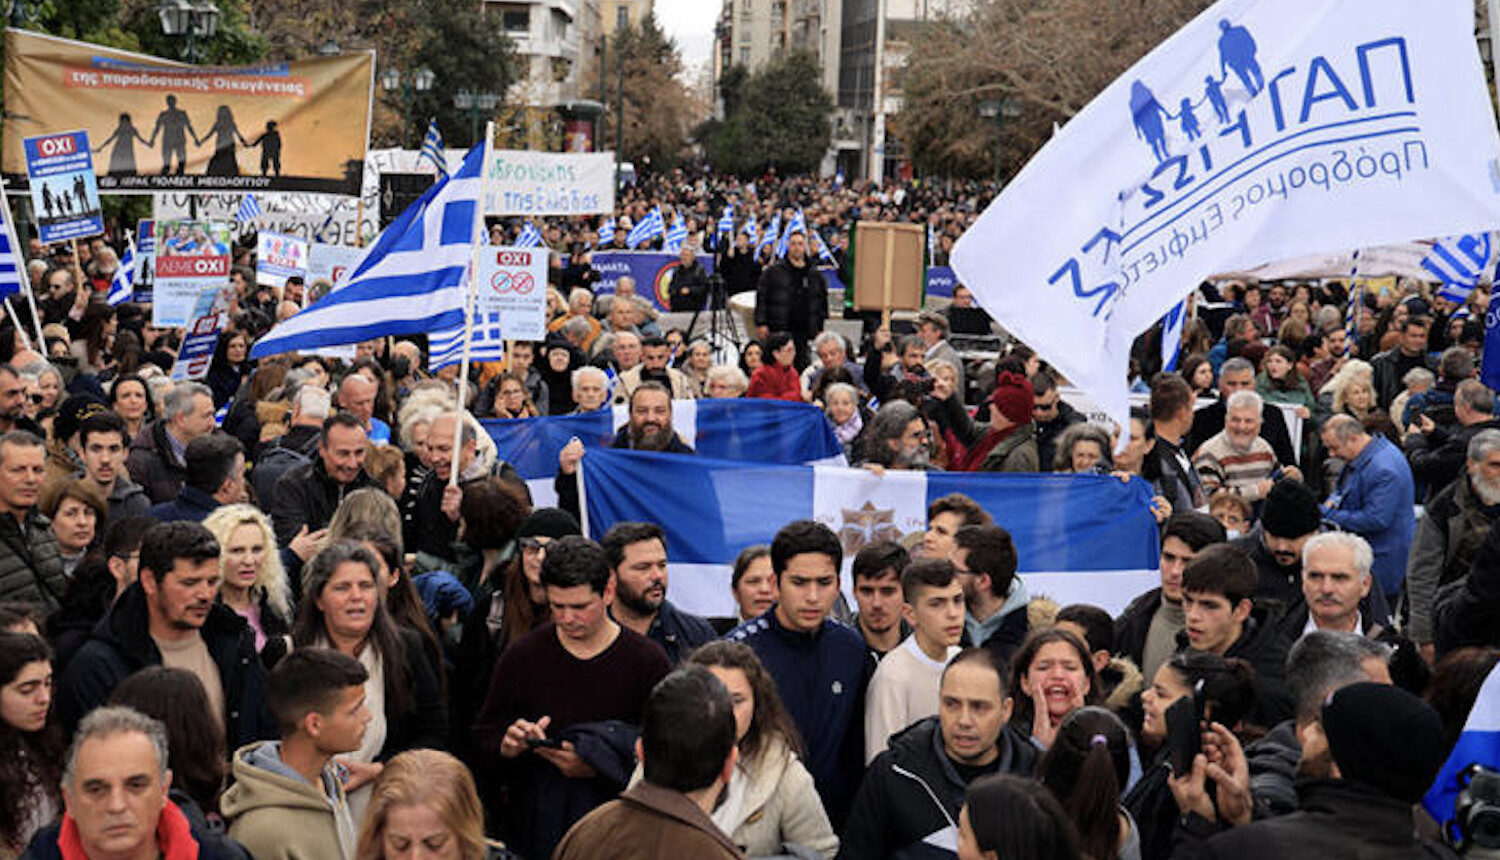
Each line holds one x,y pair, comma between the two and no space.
549,522
1385,738
1291,510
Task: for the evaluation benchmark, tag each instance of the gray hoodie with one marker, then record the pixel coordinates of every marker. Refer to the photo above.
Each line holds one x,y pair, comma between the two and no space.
278,815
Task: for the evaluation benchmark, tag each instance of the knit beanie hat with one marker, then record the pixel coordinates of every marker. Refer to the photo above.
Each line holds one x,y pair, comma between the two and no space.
1291,510
1013,396
72,412
1386,738
548,522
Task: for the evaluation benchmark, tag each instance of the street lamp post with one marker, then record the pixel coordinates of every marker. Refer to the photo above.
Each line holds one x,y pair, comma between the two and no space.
476,105
419,81
999,111
190,18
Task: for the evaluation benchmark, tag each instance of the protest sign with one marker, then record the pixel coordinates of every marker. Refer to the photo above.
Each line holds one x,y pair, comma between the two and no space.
523,182
145,262
512,282
191,256
299,126
64,194
210,316
330,262
279,257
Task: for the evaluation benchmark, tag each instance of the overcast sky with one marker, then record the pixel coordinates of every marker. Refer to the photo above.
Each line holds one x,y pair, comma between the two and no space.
691,23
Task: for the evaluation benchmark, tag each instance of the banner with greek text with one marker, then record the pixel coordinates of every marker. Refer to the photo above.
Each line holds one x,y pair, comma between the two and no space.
162,125
1263,130
523,182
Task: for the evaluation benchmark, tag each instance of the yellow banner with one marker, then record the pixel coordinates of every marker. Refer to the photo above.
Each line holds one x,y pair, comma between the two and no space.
158,125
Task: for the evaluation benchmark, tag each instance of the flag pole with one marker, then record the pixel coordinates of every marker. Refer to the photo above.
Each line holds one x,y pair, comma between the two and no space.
23,275
463,365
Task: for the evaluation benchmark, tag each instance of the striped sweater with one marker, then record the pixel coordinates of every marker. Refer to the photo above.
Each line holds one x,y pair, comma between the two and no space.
1220,465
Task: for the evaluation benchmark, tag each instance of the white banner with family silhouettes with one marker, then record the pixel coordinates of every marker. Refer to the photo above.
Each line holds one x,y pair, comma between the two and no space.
1261,131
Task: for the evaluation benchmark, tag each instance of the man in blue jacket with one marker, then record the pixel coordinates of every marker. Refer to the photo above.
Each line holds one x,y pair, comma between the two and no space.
1374,497
821,666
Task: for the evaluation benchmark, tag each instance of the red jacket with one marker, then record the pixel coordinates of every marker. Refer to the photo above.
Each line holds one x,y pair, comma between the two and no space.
775,380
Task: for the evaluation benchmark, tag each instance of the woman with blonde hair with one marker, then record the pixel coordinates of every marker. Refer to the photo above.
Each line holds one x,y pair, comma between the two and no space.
252,581
425,800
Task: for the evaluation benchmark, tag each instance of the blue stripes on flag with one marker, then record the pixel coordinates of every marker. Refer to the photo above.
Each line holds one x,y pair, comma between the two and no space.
607,232
1479,743
432,149
122,285
1171,335
646,229
752,230
249,209
12,273
486,343
675,236
530,237
798,224
772,233
410,280
1079,538
1458,262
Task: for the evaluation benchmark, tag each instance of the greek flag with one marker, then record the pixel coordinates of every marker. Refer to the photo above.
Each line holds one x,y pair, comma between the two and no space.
1479,743
1079,538
751,229
798,224
770,431
675,236
607,232
411,280
432,149
12,274
1458,262
726,225
1171,335
530,237
486,343
821,248
646,229
122,285
771,234
249,209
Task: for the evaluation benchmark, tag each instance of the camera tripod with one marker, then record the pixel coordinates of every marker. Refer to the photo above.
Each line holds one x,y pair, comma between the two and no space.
723,334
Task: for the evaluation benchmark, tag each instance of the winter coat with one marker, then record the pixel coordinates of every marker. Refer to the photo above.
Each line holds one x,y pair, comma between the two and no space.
780,807
1438,458
1447,540
192,505
279,815
176,835
1374,500
912,794
1468,610
1015,453
1337,818
1134,625
1273,764
31,567
152,463
775,381
127,499
646,823
630,380
792,299
1262,645
679,633
121,645
307,495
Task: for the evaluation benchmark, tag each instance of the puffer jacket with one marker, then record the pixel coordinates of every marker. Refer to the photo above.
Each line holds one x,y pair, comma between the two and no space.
791,299
31,568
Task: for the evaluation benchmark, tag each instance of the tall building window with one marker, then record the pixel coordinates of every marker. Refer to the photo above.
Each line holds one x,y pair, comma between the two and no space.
622,17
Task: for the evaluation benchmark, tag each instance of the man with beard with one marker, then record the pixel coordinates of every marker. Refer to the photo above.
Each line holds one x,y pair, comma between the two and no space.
897,438
1236,458
171,617
13,402
1456,522
1437,452
649,429
637,554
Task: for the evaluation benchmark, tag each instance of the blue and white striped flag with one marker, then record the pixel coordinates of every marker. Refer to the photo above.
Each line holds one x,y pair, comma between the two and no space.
411,280
432,149
1478,743
725,226
12,273
1171,335
530,237
607,232
1458,263
821,249
752,230
771,234
646,229
249,210
675,236
797,224
1079,538
122,285
486,343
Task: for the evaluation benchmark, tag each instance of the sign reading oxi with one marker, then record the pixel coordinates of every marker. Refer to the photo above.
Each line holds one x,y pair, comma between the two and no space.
1260,131
64,193
512,283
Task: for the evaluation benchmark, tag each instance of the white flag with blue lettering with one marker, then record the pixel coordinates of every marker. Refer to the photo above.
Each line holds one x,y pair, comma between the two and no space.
1263,130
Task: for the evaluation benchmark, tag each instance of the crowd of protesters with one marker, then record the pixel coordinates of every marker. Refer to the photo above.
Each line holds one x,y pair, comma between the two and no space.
306,608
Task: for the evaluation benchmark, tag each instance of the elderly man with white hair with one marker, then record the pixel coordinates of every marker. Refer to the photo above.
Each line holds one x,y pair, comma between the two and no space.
1335,579
1237,458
